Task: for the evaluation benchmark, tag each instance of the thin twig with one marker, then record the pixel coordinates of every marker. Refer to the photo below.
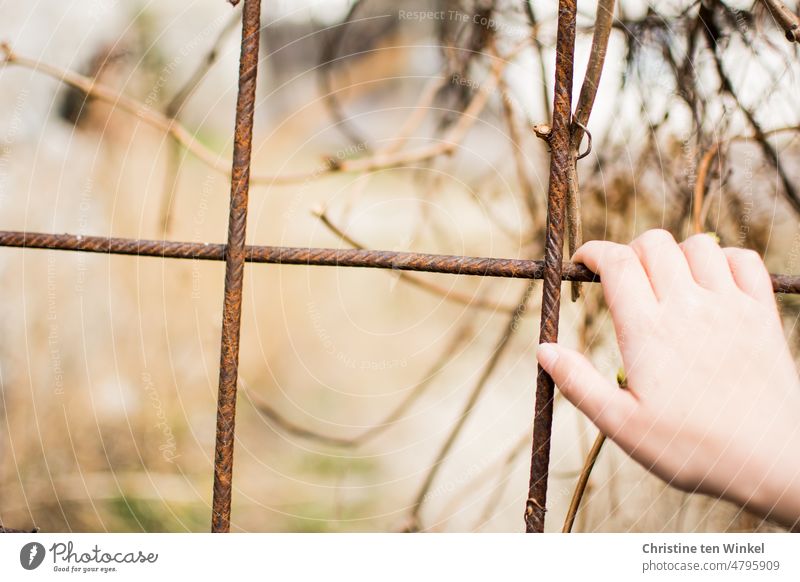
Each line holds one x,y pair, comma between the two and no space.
498,470
104,93
528,5
787,19
327,59
574,221
469,407
583,480
420,110
588,465
711,33
701,200
432,288
591,81
457,341
700,187
210,58
173,110
494,499
444,147
521,165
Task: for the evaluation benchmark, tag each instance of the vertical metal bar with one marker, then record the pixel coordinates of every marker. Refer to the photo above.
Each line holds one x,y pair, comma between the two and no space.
234,268
560,160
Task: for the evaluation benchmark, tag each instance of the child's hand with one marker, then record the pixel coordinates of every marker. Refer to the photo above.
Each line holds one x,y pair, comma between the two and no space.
713,399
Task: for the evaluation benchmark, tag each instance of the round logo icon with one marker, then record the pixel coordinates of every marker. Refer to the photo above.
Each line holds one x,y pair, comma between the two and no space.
31,555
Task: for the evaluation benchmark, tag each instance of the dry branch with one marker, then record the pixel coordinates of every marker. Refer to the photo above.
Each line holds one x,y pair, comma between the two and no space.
395,416
583,481
698,204
173,110
389,159
432,288
710,34
591,81
469,407
787,19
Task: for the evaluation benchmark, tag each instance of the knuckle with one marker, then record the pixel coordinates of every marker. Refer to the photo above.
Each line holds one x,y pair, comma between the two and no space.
697,241
656,236
589,251
743,255
751,256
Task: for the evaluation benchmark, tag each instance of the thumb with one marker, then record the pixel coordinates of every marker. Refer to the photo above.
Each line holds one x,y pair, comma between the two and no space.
604,403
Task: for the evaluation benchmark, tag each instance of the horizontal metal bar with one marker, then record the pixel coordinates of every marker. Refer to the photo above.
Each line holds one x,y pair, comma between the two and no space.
401,261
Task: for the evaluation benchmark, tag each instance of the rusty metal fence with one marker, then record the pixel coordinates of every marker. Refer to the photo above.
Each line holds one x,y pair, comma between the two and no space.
552,270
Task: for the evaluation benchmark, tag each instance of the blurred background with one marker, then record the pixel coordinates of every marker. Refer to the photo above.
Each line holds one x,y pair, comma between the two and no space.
369,401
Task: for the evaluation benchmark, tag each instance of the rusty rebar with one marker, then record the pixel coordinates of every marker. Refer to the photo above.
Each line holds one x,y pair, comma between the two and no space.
560,160
234,268
320,257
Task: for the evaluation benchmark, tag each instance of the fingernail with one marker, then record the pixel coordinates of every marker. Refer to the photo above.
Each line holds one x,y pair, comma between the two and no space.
547,355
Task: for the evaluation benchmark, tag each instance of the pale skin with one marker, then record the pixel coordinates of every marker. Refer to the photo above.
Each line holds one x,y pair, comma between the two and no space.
713,397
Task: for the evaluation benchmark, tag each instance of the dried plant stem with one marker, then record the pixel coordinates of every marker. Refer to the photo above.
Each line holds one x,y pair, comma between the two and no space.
520,163
698,204
591,81
537,44
327,60
420,110
469,407
427,286
106,94
759,135
455,344
186,90
502,479
173,110
574,222
787,19
583,480
390,159
498,470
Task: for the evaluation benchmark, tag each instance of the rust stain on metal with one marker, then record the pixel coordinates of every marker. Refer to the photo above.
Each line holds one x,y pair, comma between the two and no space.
560,159
234,268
